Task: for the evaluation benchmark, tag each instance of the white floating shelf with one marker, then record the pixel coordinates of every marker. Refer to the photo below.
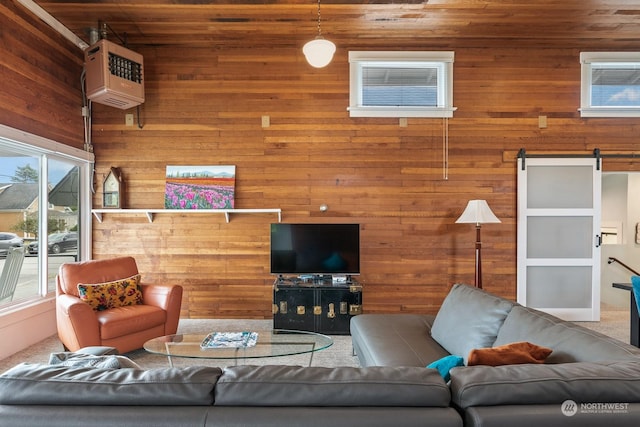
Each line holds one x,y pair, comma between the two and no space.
150,212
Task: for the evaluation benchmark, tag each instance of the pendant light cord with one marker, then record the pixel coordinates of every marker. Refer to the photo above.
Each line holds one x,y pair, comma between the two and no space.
319,29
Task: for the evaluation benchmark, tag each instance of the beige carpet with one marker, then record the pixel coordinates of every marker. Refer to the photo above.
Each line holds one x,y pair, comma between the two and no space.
339,354
614,322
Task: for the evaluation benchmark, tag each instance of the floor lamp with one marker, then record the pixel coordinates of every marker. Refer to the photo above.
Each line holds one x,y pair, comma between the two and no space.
478,212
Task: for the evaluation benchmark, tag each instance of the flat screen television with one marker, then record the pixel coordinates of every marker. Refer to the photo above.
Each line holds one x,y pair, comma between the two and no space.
317,249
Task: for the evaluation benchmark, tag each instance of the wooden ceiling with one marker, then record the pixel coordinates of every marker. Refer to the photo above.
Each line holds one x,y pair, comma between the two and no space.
362,24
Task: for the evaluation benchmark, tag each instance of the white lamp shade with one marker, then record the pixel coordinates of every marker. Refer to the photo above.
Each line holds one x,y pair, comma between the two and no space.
477,212
319,52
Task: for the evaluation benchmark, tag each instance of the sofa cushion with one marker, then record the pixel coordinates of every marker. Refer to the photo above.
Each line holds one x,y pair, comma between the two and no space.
569,342
342,386
118,293
28,384
509,354
121,321
395,340
469,318
545,384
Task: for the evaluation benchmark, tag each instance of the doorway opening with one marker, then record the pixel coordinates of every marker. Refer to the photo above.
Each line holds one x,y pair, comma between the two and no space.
620,227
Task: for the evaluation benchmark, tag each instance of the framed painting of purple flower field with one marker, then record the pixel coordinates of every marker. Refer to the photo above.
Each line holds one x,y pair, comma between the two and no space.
200,187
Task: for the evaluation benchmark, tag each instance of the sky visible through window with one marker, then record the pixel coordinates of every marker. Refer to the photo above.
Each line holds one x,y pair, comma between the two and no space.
9,165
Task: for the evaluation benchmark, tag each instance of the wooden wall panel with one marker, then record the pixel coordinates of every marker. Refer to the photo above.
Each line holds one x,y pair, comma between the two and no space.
205,107
40,74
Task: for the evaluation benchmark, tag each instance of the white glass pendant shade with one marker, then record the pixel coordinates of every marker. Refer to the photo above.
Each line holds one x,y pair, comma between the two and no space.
319,52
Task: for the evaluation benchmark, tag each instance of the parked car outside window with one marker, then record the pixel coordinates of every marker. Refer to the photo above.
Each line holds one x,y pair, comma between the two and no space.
57,243
8,241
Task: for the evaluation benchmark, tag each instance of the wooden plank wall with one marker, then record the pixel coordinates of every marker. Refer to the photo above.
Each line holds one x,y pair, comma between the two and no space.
205,106
40,72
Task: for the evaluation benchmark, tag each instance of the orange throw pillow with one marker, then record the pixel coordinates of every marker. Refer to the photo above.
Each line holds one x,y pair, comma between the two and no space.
509,354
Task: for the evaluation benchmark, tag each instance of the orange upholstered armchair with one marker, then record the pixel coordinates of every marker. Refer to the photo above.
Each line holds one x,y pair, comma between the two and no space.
125,327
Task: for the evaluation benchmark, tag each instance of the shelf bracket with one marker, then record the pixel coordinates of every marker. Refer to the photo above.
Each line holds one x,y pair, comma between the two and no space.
226,215
98,216
149,216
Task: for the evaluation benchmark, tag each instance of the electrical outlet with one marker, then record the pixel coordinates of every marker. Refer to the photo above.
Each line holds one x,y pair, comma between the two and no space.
128,119
542,122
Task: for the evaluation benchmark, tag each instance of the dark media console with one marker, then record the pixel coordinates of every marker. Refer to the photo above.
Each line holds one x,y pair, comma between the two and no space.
316,303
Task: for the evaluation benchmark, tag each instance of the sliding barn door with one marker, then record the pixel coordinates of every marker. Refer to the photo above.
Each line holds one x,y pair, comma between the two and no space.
559,236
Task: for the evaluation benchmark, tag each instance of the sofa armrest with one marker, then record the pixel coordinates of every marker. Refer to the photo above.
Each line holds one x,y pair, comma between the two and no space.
546,384
159,295
166,297
77,323
72,306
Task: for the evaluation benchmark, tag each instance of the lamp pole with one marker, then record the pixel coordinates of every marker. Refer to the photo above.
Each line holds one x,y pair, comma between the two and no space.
478,278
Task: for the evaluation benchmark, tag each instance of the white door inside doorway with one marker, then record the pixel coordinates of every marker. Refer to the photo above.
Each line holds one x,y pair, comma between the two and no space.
559,204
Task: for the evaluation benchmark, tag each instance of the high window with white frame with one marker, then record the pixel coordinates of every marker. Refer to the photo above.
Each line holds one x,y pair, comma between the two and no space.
401,84
610,84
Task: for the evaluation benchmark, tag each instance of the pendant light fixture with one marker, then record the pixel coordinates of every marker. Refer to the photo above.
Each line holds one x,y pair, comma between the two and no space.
319,52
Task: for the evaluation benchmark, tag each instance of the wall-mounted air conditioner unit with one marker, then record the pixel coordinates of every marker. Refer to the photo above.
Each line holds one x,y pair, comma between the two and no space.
114,75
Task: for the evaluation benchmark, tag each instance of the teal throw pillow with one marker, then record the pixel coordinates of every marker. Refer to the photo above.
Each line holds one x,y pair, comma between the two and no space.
445,364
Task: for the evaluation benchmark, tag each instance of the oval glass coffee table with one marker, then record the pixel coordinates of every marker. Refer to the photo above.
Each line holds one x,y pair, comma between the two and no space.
276,343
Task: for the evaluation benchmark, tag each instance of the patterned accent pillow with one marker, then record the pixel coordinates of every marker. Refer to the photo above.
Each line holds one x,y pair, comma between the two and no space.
88,361
119,293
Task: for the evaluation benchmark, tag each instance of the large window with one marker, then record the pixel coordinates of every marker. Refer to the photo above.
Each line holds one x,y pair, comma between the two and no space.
401,84
610,84
44,208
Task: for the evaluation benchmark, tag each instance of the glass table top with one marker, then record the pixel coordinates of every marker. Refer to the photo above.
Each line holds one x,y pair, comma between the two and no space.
280,342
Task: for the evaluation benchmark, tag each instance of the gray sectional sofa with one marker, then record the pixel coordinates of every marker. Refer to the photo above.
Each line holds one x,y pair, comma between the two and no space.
38,395
588,380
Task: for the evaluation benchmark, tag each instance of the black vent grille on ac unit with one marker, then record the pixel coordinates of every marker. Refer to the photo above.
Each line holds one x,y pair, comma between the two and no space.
114,75
125,68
